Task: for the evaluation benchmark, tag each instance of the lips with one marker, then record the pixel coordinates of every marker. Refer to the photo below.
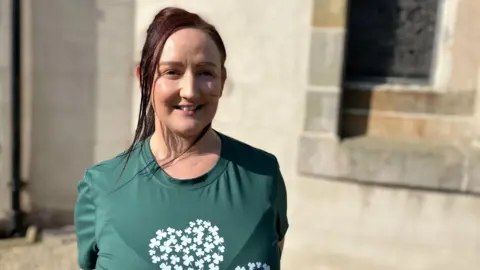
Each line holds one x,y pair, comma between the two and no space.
188,108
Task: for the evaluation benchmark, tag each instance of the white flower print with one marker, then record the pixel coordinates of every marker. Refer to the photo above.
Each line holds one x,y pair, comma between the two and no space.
198,240
172,240
213,267
208,247
209,238
197,247
161,234
166,248
154,243
187,260
174,259
254,266
186,240
213,230
199,263
200,252
197,230
163,266
164,257
217,258
218,240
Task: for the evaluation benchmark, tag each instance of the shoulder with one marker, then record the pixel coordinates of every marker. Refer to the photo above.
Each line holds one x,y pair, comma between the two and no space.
106,168
111,173
245,154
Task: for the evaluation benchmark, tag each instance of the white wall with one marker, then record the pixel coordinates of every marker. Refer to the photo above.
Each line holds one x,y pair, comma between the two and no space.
81,90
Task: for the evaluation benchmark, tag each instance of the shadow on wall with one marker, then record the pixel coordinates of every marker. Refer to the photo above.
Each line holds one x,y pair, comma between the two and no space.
68,79
387,42
5,117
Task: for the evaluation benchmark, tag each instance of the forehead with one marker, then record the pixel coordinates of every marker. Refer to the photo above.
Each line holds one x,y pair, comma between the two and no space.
190,45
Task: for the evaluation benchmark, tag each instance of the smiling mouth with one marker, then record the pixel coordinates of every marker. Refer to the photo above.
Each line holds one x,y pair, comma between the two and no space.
188,108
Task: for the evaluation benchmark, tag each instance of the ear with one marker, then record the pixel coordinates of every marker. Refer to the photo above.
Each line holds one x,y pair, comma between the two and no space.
224,79
137,72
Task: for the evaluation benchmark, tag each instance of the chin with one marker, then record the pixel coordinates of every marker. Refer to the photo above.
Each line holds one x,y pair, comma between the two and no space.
188,130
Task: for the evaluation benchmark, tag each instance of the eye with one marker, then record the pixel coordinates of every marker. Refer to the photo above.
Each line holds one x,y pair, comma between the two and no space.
206,73
171,73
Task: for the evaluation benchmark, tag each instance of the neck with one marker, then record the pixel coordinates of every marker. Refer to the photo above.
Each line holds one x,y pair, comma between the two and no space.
167,146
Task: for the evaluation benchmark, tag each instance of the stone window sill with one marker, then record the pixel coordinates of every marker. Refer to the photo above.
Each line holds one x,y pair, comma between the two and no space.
394,163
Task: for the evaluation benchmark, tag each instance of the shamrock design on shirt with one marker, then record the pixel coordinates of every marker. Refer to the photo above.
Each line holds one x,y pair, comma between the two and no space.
199,246
254,266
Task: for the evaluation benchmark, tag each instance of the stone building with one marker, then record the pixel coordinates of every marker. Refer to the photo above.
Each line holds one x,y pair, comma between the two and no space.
372,109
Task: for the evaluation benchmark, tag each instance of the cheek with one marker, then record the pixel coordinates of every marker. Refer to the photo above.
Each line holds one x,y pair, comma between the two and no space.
212,88
164,91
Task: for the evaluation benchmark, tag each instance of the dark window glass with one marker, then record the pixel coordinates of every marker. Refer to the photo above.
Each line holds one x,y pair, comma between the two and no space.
390,39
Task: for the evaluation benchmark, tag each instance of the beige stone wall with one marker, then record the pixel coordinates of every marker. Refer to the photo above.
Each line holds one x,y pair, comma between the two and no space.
360,217
464,43
81,77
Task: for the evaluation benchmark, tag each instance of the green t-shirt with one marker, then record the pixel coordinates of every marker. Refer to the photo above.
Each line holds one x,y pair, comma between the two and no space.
230,218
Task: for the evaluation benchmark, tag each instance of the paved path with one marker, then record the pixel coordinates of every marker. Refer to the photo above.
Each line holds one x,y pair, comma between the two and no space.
56,251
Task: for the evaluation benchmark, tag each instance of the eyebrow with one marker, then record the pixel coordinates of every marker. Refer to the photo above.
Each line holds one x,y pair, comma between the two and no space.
178,63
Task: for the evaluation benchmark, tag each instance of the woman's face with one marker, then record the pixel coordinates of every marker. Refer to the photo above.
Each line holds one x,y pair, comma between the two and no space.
189,82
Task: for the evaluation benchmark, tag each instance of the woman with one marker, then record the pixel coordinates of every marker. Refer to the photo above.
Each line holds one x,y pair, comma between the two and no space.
183,196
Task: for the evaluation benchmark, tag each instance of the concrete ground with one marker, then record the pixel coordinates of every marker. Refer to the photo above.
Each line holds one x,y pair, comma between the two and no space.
56,251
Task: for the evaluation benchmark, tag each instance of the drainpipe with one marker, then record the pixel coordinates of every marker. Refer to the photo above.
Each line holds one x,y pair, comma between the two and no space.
18,226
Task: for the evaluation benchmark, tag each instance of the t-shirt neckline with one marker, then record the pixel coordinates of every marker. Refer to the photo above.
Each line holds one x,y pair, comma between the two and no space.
203,180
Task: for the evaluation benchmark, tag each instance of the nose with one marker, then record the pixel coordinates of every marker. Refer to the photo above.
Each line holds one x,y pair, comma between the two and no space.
189,87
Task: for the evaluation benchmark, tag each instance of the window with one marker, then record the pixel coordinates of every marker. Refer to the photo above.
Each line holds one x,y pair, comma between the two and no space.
390,40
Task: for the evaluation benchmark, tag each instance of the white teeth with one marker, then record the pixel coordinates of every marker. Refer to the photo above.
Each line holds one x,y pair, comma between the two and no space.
188,108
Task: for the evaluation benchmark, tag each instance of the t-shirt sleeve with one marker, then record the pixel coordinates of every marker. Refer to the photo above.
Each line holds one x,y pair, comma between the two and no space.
85,225
281,207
